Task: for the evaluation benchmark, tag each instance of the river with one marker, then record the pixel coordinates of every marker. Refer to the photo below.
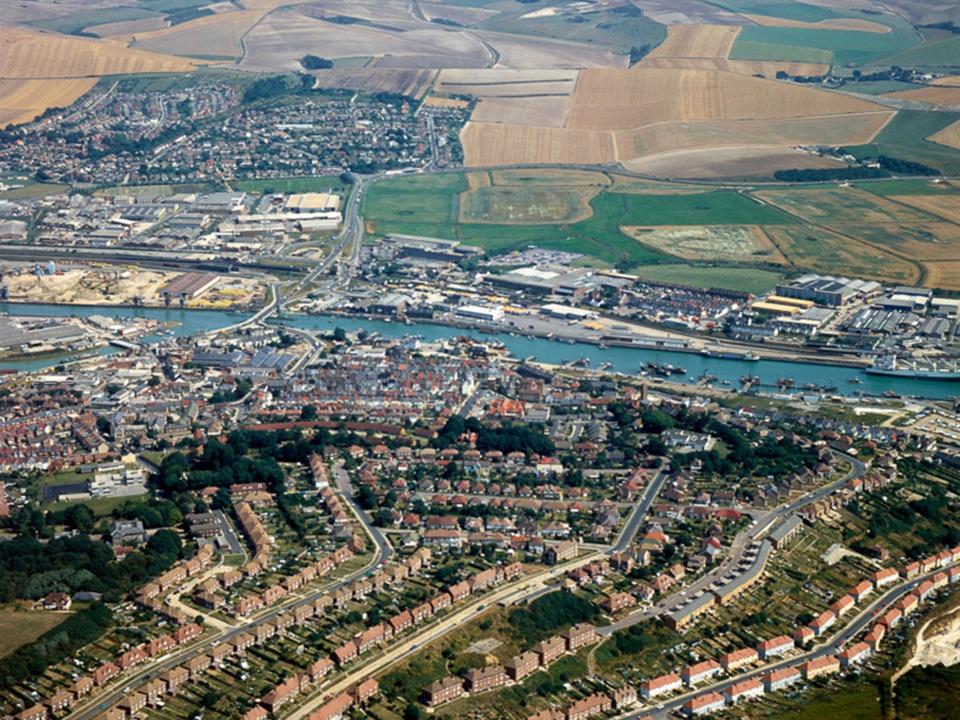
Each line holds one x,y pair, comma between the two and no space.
626,360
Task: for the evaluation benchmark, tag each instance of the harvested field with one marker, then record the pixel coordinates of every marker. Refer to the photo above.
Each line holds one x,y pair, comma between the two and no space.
548,177
824,252
683,12
30,54
532,205
217,35
283,37
537,112
523,52
125,28
697,41
441,102
412,83
555,88
458,14
948,81
944,275
494,77
22,100
843,206
496,144
831,24
767,68
618,100
708,243
734,162
931,242
941,96
20,625
478,179
946,205
679,136
949,136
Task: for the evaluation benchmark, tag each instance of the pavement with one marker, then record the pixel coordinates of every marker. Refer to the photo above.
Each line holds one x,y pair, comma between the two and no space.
148,672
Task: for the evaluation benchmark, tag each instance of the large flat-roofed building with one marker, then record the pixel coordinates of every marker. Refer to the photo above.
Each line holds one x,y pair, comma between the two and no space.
188,286
827,289
312,202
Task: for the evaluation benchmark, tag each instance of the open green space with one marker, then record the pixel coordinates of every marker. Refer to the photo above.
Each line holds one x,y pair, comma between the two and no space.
76,22
905,138
892,188
879,87
752,280
618,29
101,507
928,693
20,625
846,47
940,54
788,10
860,701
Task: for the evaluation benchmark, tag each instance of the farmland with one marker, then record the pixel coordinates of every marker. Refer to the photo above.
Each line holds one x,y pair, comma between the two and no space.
217,36
22,100
949,136
900,231
697,41
905,136
30,54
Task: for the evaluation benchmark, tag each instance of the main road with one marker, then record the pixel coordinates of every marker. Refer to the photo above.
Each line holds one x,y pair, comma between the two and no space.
382,551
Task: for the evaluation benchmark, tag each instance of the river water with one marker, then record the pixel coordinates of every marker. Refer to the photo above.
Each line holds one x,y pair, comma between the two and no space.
626,360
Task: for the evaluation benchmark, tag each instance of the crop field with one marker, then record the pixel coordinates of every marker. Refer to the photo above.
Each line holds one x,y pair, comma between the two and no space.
284,36
942,96
217,35
733,162
842,206
948,81
905,136
22,100
528,52
526,205
123,28
557,177
765,68
843,47
412,83
489,82
704,243
30,54
613,100
949,136
535,112
718,207
825,252
938,55
846,129
944,275
497,144
697,41
842,23
943,204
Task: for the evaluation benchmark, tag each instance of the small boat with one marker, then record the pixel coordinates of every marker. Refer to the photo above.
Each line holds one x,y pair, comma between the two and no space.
854,380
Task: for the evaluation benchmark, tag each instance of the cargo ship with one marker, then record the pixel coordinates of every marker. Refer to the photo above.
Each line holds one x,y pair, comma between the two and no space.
915,368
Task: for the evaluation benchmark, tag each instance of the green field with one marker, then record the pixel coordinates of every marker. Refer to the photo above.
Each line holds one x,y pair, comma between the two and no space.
784,9
905,138
822,230
324,183
846,701
618,30
76,22
878,87
704,276
19,626
937,54
846,47
101,507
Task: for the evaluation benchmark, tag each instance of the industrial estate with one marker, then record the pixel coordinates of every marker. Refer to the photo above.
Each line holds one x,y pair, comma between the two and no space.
487,359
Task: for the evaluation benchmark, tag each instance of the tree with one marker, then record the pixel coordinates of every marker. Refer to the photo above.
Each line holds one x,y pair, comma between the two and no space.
313,62
79,517
412,712
308,412
165,542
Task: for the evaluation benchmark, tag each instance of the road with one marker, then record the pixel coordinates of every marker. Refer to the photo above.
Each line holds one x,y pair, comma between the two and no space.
342,480
738,548
865,617
640,511
382,552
